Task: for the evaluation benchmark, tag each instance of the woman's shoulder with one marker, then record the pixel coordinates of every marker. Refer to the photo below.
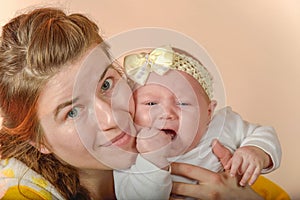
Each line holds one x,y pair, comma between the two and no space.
17,181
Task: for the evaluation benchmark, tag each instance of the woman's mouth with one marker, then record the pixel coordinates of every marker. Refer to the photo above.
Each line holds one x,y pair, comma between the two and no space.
119,140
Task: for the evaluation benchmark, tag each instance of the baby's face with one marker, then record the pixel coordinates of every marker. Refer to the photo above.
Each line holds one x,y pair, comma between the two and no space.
176,104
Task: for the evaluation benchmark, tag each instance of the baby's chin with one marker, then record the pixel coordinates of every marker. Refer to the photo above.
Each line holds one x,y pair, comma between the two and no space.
178,148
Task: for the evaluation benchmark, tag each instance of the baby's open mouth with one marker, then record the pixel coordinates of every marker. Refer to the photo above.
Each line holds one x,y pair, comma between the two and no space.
170,132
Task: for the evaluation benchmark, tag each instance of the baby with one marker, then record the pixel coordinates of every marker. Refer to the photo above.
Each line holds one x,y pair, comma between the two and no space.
175,120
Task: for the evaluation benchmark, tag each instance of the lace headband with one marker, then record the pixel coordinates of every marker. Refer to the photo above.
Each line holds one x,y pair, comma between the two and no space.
160,60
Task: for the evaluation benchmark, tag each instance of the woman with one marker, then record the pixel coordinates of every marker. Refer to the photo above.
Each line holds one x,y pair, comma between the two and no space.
60,136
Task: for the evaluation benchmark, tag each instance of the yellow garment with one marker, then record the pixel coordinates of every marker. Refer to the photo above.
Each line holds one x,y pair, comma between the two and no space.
18,182
269,190
13,193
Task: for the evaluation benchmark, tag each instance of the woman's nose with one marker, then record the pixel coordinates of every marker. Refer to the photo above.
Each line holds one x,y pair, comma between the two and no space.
104,114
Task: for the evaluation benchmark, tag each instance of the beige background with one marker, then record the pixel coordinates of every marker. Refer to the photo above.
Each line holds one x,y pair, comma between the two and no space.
254,43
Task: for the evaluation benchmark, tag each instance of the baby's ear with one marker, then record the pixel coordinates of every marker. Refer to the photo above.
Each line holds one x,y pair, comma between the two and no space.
211,107
41,147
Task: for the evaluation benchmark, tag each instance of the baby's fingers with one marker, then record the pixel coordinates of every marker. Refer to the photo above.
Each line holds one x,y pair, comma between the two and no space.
236,163
247,174
254,175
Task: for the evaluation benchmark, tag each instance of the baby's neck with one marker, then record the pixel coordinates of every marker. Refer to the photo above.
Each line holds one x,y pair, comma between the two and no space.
99,183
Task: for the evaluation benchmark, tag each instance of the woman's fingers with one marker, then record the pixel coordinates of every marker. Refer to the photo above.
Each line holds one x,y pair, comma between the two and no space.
192,172
190,190
211,185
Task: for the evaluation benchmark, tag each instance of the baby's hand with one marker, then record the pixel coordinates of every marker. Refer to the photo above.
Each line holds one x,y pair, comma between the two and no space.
248,161
154,145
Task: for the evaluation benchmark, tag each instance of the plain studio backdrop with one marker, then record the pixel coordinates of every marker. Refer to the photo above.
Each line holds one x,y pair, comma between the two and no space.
255,44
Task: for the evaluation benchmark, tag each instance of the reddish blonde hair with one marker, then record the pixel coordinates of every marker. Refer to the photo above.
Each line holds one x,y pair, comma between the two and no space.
34,47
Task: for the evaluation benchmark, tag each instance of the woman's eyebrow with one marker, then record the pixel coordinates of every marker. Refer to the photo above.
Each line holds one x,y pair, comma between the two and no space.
63,105
104,73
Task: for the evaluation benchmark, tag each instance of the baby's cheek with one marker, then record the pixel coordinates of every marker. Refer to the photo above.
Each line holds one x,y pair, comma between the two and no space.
189,123
148,116
142,117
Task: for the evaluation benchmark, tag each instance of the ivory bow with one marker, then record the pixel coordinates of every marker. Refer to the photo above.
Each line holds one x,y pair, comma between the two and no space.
139,66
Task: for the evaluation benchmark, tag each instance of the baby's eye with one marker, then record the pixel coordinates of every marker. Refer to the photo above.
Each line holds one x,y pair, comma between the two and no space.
182,104
107,84
73,113
151,103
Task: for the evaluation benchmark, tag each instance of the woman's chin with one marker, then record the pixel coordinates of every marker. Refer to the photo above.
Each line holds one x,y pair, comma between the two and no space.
118,158
125,163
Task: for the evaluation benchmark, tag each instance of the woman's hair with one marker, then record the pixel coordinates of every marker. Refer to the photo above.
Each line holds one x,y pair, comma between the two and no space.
34,47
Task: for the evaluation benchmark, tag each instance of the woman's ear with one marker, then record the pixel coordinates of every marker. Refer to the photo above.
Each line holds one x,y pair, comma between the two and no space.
211,108
41,147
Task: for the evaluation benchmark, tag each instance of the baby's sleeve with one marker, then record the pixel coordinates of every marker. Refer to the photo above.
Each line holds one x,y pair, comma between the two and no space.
239,132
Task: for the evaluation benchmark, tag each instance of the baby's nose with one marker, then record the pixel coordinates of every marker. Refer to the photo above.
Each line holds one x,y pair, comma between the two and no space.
169,113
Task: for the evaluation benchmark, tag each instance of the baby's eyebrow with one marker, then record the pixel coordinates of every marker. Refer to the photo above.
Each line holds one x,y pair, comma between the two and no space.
63,105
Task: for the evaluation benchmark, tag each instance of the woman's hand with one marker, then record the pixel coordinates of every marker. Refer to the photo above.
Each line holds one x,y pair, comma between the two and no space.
211,185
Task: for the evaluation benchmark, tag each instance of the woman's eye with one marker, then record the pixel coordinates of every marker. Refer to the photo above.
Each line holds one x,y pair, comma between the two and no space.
107,84
73,113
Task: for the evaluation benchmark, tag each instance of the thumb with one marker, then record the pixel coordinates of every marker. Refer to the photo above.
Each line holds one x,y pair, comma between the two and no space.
222,153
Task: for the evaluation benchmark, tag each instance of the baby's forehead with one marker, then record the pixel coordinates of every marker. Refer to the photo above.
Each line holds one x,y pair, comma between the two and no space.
191,80
175,81
151,88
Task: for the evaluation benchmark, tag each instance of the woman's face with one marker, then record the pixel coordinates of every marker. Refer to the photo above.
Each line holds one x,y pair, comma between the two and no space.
86,114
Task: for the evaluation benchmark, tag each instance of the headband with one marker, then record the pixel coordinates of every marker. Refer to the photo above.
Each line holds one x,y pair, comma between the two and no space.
160,60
